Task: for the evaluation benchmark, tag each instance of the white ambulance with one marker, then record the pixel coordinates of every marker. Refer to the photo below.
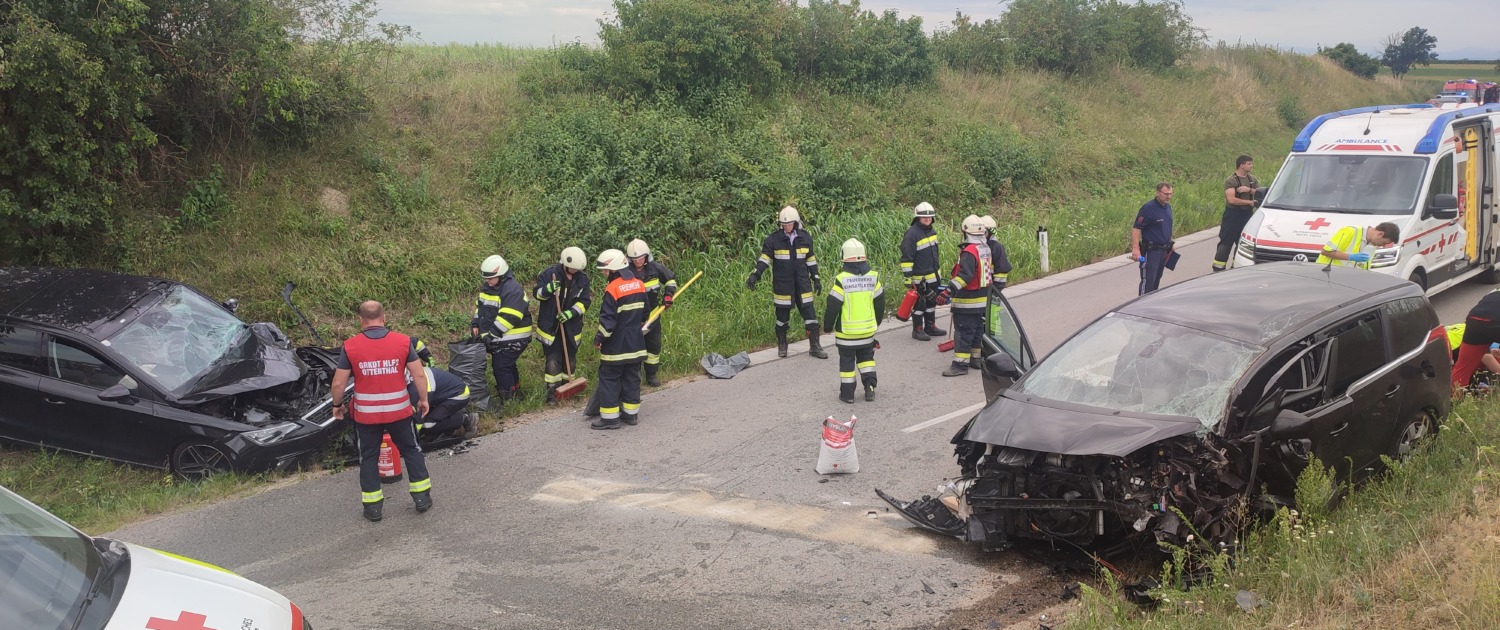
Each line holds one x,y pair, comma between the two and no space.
1429,171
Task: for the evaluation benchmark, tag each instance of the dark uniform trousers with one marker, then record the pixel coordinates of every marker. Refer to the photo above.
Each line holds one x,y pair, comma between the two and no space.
445,416
619,391
1151,270
404,436
858,359
653,348
924,313
556,366
968,326
804,307
503,358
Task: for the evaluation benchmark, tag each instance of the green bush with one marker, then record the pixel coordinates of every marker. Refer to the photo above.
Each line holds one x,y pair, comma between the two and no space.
1001,160
694,47
847,49
967,46
1349,58
205,201
1081,36
1291,112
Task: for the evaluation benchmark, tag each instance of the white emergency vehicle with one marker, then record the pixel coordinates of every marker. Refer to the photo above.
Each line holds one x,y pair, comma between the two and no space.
54,577
1431,172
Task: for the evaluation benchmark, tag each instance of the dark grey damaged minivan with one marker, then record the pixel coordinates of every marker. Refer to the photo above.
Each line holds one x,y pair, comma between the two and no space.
1199,402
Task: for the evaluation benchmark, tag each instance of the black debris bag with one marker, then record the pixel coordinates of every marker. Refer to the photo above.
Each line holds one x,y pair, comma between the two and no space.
467,359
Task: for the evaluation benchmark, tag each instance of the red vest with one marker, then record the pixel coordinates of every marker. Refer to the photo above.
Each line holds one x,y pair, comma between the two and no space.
983,267
379,367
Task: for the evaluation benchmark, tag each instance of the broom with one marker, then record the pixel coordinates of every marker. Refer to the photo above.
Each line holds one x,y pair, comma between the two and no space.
656,312
948,345
570,388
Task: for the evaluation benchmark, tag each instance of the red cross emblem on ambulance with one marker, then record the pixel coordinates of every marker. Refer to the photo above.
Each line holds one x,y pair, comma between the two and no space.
185,621
1317,223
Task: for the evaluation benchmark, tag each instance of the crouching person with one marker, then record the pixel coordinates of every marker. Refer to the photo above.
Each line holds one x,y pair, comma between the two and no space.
448,399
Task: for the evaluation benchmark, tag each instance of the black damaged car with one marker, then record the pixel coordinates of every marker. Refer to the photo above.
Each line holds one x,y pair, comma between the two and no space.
151,372
1186,410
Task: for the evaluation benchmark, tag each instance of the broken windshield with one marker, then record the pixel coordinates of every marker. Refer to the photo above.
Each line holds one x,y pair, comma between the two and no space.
1140,365
178,338
1356,184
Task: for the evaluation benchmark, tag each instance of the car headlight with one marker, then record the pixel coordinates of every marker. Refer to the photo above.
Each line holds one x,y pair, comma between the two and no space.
272,434
1247,248
1386,257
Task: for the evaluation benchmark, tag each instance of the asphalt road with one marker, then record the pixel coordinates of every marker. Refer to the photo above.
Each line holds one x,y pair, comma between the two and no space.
707,514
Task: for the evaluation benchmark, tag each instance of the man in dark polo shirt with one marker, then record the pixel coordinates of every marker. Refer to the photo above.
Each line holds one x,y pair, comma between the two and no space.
1239,204
1151,237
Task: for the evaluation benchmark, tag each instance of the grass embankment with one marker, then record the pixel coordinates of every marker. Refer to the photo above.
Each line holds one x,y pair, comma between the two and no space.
1415,549
476,150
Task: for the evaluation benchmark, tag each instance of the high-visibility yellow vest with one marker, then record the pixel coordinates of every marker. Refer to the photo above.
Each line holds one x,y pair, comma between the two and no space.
1455,335
1349,240
857,317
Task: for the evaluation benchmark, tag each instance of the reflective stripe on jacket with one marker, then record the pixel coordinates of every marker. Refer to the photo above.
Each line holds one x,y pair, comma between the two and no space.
794,266
622,310
919,253
971,277
576,296
1350,240
379,370
511,319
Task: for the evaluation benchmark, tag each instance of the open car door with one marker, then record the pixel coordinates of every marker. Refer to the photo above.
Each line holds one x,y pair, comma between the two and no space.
1003,337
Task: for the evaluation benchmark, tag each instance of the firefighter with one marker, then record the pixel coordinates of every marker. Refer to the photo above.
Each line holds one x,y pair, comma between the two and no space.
379,361
1000,262
919,267
856,305
794,279
447,399
502,318
423,354
661,286
621,344
563,296
969,289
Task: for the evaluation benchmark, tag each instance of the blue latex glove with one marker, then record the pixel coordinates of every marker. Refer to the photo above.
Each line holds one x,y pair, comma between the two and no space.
1359,257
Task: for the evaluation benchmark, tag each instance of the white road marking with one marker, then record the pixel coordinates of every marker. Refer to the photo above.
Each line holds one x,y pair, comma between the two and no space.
943,418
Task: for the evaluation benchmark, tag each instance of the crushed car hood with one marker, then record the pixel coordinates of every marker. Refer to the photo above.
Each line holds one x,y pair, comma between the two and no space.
1050,427
262,360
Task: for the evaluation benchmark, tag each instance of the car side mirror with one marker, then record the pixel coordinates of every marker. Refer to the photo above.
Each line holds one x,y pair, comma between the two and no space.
1444,206
1289,424
232,304
117,393
1003,366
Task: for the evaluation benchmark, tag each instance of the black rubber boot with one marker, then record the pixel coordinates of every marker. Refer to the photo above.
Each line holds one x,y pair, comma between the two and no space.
869,393
374,511
604,425
814,347
651,369
975,361
959,368
471,425
846,399
630,419
931,329
781,342
423,500
919,334
552,395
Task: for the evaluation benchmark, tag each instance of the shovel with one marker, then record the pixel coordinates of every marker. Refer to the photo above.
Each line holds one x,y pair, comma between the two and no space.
570,388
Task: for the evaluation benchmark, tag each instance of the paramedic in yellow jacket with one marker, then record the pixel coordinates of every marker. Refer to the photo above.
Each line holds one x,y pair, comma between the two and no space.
1353,246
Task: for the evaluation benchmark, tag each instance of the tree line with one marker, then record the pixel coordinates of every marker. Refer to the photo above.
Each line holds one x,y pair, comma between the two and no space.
1414,47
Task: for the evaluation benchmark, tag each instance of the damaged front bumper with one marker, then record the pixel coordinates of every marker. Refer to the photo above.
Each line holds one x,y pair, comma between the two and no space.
1171,489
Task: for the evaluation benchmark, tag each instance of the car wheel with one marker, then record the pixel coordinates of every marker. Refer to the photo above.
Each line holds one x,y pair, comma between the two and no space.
196,460
1414,433
1419,279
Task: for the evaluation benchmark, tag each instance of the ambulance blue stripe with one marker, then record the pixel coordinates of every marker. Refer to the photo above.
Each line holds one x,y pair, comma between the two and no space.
1304,139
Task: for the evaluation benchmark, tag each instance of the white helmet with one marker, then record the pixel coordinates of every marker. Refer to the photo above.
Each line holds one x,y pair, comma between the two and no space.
637,248
923,209
854,250
988,221
612,260
572,258
789,215
973,225
494,267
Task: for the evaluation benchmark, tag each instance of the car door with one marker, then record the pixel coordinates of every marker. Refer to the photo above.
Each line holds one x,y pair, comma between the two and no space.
1003,334
77,420
20,366
1366,393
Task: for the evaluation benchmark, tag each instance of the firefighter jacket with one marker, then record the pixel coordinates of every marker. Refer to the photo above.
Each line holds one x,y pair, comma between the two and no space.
794,267
919,253
377,358
1000,263
622,311
659,282
503,313
971,278
575,296
855,306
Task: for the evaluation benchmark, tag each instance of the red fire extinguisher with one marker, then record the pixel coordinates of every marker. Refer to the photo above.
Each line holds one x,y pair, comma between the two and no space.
390,460
909,302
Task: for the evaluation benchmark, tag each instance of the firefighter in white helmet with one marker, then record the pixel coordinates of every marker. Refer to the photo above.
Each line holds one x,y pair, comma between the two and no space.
919,267
661,286
621,344
788,252
502,319
969,287
1000,268
563,296
856,304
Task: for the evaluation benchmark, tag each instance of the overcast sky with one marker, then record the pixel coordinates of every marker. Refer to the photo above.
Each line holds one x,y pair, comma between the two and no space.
1470,28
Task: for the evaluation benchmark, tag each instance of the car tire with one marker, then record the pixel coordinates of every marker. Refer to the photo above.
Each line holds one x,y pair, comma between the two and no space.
199,460
1419,279
1412,435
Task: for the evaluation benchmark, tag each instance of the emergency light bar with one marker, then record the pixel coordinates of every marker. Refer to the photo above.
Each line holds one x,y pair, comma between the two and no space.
1304,139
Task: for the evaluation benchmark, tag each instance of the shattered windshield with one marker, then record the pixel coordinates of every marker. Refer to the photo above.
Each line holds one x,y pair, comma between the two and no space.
1143,366
1355,184
178,338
